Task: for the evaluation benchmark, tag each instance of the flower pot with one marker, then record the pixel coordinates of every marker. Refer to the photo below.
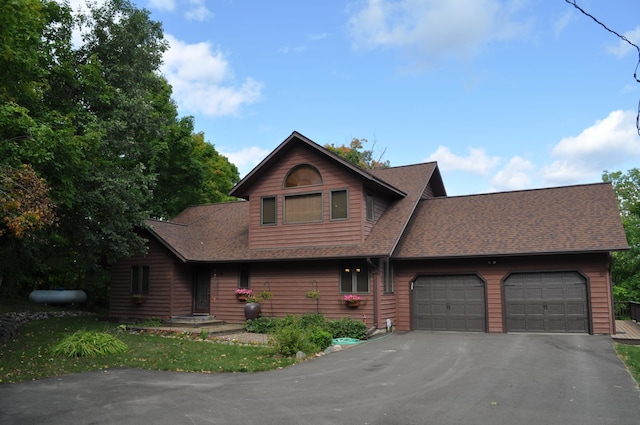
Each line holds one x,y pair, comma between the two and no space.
242,298
137,300
353,304
251,311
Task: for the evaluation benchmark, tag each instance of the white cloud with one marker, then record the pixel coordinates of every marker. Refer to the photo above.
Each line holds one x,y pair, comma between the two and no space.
623,48
165,5
602,146
197,11
247,158
477,162
514,175
203,81
435,28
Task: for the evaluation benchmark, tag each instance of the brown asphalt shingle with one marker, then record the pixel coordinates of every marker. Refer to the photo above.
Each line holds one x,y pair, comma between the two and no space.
219,232
565,219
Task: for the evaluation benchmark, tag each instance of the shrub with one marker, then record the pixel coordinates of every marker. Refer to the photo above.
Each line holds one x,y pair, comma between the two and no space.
291,339
313,320
86,343
319,337
347,328
261,325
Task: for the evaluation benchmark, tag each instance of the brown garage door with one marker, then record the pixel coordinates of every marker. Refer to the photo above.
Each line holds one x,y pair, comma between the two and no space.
546,302
449,303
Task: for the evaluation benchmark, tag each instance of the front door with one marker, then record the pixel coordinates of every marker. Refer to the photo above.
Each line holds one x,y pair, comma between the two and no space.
201,284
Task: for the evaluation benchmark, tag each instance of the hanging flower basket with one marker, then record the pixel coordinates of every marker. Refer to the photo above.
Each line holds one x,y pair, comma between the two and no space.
137,298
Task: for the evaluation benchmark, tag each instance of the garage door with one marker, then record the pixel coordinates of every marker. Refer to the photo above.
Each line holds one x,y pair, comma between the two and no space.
546,302
449,303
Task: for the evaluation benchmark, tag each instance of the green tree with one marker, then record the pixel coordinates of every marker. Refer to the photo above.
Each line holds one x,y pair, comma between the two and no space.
97,124
626,265
356,154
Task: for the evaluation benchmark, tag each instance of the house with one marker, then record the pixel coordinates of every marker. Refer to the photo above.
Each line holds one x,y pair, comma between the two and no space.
523,261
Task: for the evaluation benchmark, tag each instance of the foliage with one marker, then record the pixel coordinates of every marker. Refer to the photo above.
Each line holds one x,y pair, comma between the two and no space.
88,343
630,355
355,154
24,202
348,328
291,339
313,295
28,356
625,270
309,333
261,325
151,322
259,297
89,130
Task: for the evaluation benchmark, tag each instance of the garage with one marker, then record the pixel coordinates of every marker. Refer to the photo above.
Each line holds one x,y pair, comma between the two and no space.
546,302
449,303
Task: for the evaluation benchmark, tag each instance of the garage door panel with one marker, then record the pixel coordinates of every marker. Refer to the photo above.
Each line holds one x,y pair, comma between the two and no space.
546,302
455,303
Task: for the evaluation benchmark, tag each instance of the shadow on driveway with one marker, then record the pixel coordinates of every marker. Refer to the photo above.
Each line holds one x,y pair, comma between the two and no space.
406,378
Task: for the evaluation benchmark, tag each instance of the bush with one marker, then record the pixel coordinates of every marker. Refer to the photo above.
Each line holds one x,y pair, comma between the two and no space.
86,343
261,325
319,337
291,339
347,328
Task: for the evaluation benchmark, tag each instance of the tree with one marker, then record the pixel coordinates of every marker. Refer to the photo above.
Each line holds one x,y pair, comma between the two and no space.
355,154
97,124
626,265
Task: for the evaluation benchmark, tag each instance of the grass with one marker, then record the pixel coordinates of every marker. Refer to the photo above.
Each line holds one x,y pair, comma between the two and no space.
630,355
30,356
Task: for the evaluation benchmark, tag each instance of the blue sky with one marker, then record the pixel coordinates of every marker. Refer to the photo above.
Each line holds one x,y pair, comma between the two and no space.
504,95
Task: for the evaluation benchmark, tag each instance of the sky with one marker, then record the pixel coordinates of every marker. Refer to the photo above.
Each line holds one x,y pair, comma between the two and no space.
503,94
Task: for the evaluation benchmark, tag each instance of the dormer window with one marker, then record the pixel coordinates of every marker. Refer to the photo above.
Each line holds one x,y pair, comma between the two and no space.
303,175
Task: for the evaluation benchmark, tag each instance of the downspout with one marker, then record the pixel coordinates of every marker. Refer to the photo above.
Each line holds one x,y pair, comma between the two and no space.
375,292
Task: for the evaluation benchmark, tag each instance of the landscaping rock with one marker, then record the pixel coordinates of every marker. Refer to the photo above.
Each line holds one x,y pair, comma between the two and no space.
301,355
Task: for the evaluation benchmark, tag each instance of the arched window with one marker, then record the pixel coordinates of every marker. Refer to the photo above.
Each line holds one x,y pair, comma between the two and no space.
303,175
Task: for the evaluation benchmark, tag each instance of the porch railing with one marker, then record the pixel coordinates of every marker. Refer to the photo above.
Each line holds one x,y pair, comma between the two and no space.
627,310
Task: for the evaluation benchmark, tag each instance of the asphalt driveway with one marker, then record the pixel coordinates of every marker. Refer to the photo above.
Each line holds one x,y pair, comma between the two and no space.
406,378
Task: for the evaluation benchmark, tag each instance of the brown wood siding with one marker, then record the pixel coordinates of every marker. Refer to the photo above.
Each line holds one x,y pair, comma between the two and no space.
165,273
327,232
288,282
593,266
379,206
428,191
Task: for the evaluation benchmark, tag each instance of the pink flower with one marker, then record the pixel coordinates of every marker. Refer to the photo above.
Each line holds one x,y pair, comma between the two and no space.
352,298
244,291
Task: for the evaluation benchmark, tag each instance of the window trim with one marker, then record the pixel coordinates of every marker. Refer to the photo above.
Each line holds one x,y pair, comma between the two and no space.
140,279
370,207
275,211
346,206
284,207
244,276
300,167
354,277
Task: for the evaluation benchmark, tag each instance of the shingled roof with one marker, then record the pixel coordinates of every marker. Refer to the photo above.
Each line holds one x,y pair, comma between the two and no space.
219,232
570,219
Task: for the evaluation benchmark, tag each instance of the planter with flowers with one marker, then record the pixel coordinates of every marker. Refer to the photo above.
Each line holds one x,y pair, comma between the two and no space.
243,293
352,300
252,308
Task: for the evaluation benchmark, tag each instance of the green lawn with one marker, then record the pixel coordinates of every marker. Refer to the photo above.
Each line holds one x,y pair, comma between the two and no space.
29,356
630,355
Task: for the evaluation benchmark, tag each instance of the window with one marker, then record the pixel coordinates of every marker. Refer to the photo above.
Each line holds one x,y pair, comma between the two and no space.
243,276
354,278
370,207
388,278
140,279
303,208
339,205
268,211
303,175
